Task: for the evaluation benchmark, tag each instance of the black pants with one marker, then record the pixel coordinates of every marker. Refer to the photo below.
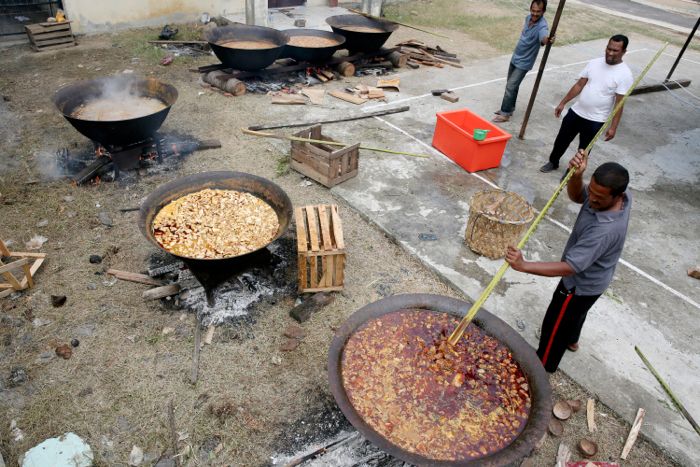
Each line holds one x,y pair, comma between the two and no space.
562,325
571,126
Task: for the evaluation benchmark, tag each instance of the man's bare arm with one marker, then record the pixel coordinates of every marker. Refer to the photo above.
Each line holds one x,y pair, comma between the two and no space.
612,130
573,92
514,257
575,187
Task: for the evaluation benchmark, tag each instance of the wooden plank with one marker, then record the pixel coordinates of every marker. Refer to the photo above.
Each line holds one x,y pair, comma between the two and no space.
51,23
161,292
328,263
337,227
3,249
23,283
52,35
5,268
346,96
301,266
134,277
43,44
313,174
590,415
24,254
28,275
310,254
54,47
302,236
323,289
5,286
632,437
340,270
324,216
37,29
311,217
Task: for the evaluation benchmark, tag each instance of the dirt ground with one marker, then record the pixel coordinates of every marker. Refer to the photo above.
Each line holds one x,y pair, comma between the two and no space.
134,357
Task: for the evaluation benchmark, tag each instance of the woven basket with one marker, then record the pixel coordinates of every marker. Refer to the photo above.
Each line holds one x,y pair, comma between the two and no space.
497,219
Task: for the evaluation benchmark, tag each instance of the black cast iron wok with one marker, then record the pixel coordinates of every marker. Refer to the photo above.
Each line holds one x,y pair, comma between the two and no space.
120,132
211,272
246,59
361,41
540,390
312,54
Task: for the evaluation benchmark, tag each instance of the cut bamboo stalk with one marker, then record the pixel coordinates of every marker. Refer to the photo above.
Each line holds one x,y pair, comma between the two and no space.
590,415
632,437
330,143
670,393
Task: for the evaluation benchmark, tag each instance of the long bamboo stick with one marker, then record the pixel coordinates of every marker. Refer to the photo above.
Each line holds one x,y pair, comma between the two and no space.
670,393
379,113
367,15
459,330
329,143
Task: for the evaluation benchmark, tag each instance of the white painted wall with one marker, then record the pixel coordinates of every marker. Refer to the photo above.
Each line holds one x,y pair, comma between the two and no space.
91,16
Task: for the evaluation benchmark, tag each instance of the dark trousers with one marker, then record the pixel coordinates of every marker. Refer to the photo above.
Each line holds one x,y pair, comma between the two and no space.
515,77
571,126
562,324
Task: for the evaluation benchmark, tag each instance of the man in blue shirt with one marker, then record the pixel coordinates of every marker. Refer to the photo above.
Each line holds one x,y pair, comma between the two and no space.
589,259
535,33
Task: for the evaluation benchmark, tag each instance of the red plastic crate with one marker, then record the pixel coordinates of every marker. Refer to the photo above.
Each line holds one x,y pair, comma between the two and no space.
454,137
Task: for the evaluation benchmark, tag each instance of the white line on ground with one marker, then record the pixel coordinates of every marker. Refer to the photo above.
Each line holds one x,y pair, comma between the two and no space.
481,83
682,58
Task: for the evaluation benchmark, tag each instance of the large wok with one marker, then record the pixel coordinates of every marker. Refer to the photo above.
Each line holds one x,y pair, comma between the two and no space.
246,59
120,132
312,54
540,391
361,41
211,272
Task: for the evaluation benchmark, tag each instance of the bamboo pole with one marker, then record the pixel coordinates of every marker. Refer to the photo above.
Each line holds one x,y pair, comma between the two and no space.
459,330
329,143
670,393
540,72
367,15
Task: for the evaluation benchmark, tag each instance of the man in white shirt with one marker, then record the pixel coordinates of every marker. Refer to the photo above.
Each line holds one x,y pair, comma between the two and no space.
601,85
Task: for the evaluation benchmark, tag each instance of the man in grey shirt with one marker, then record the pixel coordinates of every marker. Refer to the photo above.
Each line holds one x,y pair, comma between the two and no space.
534,34
589,259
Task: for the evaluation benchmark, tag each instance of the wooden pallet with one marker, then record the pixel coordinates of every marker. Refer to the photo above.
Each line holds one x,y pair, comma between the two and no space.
321,248
50,36
29,263
325,164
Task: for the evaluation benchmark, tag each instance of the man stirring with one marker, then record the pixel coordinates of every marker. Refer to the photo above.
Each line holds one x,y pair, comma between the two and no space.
589,259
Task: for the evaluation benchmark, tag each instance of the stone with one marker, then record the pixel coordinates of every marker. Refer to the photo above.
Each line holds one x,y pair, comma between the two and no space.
67,449
105,219
303,311
91,286
18,375
288,345
58,300
45,357
136,456
85,330
95,259
165,463
294,332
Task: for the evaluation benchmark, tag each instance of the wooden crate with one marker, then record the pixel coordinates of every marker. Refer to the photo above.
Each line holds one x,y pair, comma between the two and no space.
326,164
49,36
321,248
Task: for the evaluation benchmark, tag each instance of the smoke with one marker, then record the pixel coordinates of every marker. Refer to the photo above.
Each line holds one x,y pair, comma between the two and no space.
121,97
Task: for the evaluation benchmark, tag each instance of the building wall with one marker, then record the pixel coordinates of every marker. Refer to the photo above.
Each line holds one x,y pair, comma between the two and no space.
90,16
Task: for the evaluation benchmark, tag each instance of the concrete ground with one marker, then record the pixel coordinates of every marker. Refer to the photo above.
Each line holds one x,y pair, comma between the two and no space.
652,303
677,15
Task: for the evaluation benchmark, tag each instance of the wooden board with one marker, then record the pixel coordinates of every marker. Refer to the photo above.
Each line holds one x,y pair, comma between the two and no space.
346,96
321,262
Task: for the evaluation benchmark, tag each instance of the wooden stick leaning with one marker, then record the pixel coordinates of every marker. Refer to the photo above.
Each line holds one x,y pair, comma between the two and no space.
459,330
346,119
634,432
329,143
366,15
670,393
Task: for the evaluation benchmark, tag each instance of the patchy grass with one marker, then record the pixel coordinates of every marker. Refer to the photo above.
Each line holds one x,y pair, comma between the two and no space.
282,165
135,41
499,22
